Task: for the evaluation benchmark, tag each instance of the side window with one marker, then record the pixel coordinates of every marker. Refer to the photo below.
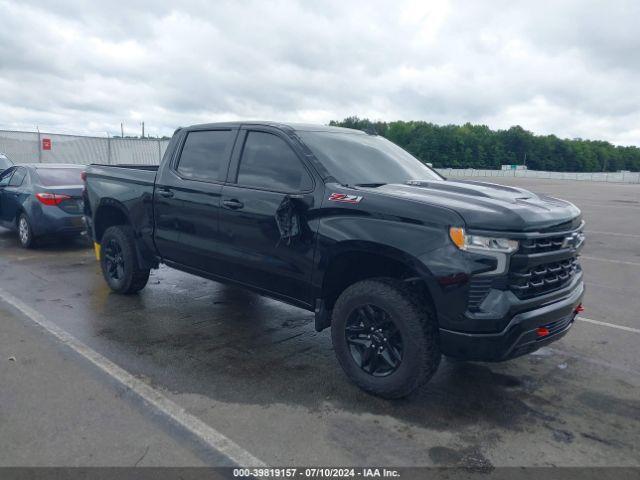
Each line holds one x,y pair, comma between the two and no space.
18,177
268,162
205,154
4,179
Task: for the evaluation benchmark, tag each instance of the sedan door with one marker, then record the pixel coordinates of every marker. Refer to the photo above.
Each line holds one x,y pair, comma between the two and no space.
187,198
266,238
11,196
5,177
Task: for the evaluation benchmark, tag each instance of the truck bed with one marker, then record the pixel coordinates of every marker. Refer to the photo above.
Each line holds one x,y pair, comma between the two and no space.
153,168
140,174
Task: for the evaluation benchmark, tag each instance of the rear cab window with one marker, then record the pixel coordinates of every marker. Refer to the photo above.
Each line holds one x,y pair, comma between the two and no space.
269,163
57,177
205,155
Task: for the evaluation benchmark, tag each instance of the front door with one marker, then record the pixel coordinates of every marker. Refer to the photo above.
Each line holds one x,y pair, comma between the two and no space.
4,182
264,217
187,198
10,197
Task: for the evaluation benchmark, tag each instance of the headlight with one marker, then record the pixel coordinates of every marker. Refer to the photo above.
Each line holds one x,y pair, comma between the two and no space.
465,241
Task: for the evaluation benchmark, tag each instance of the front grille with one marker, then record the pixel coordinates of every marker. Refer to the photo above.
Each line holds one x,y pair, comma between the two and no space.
540,245
545,278
545,263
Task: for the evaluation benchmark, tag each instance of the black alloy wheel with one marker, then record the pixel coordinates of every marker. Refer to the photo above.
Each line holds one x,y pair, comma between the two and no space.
375,343
114,260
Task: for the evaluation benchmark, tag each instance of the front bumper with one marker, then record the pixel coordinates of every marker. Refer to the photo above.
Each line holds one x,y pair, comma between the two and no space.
520,336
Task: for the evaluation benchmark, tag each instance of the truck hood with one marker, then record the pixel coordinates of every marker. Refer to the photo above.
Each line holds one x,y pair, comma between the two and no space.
489,206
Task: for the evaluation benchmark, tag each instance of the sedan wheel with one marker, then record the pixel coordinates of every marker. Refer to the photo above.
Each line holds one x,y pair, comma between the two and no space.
24,232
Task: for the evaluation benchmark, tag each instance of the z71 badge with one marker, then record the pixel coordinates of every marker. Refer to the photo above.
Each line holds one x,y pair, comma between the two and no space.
343,197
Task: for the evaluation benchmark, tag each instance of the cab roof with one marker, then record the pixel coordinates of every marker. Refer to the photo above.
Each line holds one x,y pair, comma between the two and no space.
296,127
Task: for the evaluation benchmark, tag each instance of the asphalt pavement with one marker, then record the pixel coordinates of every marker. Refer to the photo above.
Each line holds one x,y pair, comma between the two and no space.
255,371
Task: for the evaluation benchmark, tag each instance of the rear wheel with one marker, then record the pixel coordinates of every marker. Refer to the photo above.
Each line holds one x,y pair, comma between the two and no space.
25,233
119,263
384,338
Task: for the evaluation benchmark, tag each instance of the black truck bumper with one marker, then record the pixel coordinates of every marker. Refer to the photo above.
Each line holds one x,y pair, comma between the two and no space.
526,332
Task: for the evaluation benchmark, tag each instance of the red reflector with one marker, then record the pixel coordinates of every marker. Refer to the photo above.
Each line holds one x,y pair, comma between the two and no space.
52,198
579,309
542,331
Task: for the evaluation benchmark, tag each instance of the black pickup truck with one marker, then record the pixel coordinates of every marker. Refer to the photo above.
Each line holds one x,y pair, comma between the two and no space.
403,265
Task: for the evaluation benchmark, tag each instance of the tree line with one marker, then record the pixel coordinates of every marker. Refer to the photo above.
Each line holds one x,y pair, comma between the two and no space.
477,146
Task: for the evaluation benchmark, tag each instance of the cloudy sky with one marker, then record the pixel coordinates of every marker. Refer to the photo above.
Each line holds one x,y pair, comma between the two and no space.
566,67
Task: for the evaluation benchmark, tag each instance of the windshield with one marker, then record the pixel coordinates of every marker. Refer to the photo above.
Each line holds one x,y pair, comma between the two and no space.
54,177
4,162
354,159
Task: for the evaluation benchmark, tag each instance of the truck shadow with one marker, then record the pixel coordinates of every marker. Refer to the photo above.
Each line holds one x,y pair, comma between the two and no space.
233,346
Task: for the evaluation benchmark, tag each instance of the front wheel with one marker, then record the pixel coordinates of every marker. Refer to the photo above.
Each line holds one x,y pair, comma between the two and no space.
385,339
119,263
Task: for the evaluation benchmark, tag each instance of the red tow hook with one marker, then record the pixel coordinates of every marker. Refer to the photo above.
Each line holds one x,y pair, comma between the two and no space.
542,331
579,309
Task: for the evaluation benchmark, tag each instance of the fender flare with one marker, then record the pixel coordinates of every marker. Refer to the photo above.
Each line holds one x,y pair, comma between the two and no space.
115,204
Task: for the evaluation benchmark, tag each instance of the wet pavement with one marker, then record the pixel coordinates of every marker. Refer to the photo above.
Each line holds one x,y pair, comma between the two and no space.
256,370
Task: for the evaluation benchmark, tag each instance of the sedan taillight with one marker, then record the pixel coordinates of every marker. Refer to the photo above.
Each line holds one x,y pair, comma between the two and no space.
52,198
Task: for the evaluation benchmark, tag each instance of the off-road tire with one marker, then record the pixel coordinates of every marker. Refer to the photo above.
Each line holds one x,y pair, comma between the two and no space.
133,278
416,322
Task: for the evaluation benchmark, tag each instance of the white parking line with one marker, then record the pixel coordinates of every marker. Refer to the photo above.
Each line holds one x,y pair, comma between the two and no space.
591,360
205,433
606,324
613,234
600,205
633,264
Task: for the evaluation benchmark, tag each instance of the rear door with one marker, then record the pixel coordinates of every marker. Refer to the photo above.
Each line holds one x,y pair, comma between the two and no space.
270,190
187,197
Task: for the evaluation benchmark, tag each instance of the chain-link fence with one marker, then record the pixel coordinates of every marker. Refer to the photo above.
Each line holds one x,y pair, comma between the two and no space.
619,177
40,147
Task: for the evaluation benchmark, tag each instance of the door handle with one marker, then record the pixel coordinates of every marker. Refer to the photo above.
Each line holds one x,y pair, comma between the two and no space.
165,192
233,204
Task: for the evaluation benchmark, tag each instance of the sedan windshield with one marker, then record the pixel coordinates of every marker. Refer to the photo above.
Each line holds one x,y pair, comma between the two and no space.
355,159
4,162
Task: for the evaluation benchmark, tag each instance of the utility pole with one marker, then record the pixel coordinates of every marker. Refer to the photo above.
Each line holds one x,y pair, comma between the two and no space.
39,145
108,149
142,129
121,130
